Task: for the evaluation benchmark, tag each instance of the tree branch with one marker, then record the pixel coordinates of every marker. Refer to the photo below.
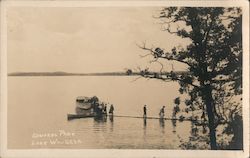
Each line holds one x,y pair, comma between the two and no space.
154,53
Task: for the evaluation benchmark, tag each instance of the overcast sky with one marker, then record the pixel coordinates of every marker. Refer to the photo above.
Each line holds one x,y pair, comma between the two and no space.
83,39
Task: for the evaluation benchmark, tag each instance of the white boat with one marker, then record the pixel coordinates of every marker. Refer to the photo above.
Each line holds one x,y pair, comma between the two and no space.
87,107
84,106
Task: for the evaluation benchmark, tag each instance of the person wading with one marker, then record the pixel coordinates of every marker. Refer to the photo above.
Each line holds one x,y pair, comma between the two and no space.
111,109
162,112
145,111
105,109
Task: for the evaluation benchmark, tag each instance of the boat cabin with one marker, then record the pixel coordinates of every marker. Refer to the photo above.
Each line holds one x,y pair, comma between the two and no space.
88,106
84,106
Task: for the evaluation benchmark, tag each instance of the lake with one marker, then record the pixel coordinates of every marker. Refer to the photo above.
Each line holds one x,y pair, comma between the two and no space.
38,108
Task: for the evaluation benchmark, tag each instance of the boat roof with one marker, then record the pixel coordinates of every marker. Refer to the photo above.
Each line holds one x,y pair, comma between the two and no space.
82,98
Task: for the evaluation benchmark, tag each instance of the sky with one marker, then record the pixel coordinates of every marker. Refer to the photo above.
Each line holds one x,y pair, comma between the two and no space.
83,40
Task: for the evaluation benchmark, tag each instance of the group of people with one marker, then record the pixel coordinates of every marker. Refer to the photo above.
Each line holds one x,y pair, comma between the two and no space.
102,109
111,109
161,113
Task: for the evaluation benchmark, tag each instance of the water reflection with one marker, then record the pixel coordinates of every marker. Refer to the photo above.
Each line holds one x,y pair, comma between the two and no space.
162,130
144,123
100,119
111,118
145,130
162,125
100,124
174,121
102,132
94,133
162,122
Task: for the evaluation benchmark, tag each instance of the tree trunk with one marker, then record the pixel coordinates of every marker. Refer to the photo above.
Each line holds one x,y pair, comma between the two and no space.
210,106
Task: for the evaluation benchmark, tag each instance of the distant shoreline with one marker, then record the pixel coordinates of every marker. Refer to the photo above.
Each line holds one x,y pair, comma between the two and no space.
70,74
79,74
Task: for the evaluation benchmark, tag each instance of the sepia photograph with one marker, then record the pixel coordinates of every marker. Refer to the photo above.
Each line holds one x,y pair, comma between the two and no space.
150,77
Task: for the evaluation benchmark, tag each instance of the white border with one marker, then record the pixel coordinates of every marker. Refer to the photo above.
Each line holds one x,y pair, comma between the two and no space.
117,152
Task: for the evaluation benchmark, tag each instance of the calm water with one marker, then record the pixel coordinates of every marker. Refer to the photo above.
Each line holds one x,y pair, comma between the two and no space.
38,108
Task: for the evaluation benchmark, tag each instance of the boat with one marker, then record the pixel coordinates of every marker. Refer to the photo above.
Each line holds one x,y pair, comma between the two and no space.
78,116
87,107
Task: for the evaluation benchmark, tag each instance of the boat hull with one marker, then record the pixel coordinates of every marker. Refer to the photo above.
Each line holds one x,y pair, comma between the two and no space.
77,116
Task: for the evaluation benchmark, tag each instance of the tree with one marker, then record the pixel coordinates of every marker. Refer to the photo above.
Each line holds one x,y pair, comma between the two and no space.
213,59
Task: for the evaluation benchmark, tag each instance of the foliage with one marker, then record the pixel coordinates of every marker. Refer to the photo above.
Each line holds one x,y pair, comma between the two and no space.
213,59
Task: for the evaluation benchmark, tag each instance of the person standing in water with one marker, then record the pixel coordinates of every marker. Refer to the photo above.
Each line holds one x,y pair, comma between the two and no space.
105,109
162,112
145,111
111,109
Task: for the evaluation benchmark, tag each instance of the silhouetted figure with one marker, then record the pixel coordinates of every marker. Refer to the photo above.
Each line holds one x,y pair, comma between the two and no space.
98,109
105,109
111,109
162,112
145,111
